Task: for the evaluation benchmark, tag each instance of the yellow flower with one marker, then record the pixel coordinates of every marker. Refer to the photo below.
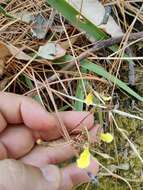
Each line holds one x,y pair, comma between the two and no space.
89,99
84,160
106,137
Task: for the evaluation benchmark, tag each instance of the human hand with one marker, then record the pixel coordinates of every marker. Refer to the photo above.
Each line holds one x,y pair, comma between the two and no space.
29,166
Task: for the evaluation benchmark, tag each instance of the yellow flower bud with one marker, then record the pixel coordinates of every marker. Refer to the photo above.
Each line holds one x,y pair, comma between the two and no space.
106,137
89,99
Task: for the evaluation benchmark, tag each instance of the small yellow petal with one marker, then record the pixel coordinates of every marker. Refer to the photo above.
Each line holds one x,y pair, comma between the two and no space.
83,163
84,160
89,99
106,137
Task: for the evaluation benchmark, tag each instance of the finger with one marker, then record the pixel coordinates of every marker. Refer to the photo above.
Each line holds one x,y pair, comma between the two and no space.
18,109
3,123
40,155
49,177
16,141
3,151
73,176
72,120
18,176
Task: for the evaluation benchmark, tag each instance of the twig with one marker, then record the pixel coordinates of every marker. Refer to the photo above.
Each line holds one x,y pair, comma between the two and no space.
131,66
108,10
51,18
98,45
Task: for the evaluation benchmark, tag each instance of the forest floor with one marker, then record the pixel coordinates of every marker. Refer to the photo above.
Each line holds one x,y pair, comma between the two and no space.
83,60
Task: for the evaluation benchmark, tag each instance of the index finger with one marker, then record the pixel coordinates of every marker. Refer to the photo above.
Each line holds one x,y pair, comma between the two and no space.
18,109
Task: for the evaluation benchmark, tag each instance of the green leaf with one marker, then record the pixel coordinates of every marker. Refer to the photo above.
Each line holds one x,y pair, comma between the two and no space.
102,72
80,94
71,14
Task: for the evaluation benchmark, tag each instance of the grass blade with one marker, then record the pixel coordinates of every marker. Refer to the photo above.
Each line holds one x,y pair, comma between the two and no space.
2,11
102,72
71,14
80,94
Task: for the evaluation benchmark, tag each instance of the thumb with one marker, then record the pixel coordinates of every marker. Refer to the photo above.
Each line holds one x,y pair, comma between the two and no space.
16,175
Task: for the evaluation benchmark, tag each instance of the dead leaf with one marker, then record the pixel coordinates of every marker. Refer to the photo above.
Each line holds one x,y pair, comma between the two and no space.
4,51
66,44
40,27
24,16
40,23
1,67
94,11
17,53
7,49
51,51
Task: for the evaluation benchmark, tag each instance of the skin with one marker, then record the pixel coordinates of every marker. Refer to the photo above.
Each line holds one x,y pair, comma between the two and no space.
25,165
